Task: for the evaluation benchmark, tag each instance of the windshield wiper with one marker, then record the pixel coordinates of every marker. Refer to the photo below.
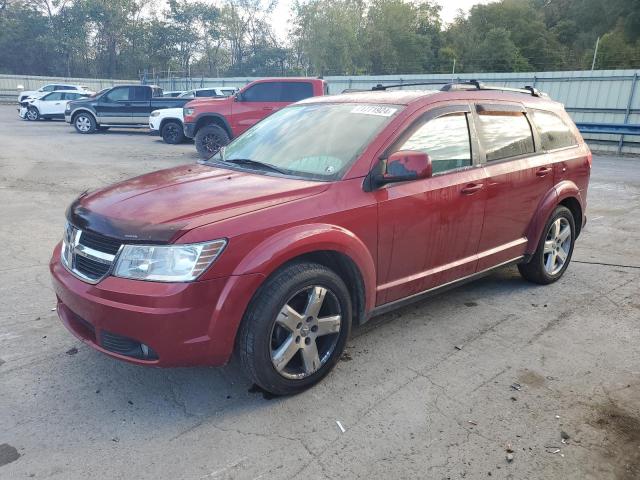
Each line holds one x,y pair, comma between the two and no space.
254,163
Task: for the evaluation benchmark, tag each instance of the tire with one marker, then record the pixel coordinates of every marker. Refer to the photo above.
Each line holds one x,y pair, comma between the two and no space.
84,123
558,238
172,132
279,343
209,139
32,114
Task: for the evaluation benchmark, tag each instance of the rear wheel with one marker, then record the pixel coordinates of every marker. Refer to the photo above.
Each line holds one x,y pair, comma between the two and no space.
172,132
210,139
554,251
84,123
295,329
32,114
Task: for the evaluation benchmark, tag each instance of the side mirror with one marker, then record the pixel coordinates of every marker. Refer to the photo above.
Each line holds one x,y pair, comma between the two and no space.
237,97
403,166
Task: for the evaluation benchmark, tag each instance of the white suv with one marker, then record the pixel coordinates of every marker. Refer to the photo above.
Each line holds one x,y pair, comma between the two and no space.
50,88
48,105
169,123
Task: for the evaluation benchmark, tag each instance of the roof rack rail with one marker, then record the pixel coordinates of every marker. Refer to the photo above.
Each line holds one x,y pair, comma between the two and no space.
476,85
466,85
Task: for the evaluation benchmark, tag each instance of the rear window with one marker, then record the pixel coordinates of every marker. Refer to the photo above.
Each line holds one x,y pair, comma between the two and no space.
296,91
554,132
505,134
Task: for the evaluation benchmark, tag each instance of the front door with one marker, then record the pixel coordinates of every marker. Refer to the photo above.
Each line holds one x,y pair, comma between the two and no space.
518,177
429,229
52,104
115,107
255,103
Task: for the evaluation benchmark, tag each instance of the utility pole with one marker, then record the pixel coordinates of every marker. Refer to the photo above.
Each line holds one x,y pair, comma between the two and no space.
595,54
453,72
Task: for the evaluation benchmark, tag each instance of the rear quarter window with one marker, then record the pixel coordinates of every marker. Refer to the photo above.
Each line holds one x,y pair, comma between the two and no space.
504,134
554,131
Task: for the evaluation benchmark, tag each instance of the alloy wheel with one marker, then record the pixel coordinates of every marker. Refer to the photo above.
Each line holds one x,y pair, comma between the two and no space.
305,332
557,246
32,114
83,123
211,143
172,132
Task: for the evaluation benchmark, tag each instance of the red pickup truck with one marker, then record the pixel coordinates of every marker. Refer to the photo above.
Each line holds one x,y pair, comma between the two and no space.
213,122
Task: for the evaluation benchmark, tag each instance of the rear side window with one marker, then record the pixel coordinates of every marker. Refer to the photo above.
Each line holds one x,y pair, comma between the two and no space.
445,139
296,91
141,93
205,93
505,134
554,132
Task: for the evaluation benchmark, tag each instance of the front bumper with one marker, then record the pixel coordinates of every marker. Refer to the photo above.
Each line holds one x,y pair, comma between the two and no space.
180,324
189,129
154,125
67,117
22,111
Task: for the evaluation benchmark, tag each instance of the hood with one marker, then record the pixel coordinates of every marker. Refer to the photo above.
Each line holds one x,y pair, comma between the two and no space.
208,101
161,206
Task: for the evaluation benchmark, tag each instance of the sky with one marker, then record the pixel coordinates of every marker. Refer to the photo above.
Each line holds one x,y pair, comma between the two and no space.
449,10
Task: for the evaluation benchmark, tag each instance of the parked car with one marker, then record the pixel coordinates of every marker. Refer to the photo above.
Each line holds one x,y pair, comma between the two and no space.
326,213
51,88
172,93
214,122
120,106
209,92
49,105
168,124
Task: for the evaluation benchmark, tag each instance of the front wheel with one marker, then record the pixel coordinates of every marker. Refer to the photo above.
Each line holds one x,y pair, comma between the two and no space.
554,251
33,114
172,132
295,329
84,123
209,140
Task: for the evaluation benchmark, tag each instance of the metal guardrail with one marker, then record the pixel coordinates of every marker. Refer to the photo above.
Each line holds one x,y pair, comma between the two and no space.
608,128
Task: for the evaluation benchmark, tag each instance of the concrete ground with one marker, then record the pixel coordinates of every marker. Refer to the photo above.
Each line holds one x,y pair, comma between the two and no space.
532,362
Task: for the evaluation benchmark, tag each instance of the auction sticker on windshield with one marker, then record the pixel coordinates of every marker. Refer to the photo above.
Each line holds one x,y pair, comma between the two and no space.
379,110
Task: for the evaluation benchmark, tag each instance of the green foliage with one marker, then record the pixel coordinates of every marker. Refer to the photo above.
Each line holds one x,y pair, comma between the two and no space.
123,38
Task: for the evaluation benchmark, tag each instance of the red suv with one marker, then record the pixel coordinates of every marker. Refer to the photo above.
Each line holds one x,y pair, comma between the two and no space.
213,122
326,213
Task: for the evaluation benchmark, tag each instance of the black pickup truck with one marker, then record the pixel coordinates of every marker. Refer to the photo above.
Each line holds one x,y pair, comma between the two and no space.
121,106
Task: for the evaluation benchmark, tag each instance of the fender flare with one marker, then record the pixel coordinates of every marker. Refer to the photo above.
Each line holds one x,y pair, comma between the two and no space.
276,250
85,110
212,115
561,191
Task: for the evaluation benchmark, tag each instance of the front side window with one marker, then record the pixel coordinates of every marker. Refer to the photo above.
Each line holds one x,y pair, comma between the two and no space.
554,132
47,88
263,92
53,96
505,134
316,141
445,139
119,94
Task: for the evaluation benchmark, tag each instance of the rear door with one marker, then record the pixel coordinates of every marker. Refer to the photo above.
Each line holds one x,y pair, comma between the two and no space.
115,107
140,104
429,229
518,177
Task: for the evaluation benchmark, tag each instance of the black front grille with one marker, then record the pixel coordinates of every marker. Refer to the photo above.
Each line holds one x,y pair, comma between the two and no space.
126,346
100,242
90,268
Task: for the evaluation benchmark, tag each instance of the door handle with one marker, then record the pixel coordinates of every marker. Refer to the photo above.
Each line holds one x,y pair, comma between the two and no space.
471,188
269,109
543,171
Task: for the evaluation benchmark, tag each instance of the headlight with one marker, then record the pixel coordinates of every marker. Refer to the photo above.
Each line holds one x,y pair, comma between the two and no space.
167,263
155,113
68,108
187,111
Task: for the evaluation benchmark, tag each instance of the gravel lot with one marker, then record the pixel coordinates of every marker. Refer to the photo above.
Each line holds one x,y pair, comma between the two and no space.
412,404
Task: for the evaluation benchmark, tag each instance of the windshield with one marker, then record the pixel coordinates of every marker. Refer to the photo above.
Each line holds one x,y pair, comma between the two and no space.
317,141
